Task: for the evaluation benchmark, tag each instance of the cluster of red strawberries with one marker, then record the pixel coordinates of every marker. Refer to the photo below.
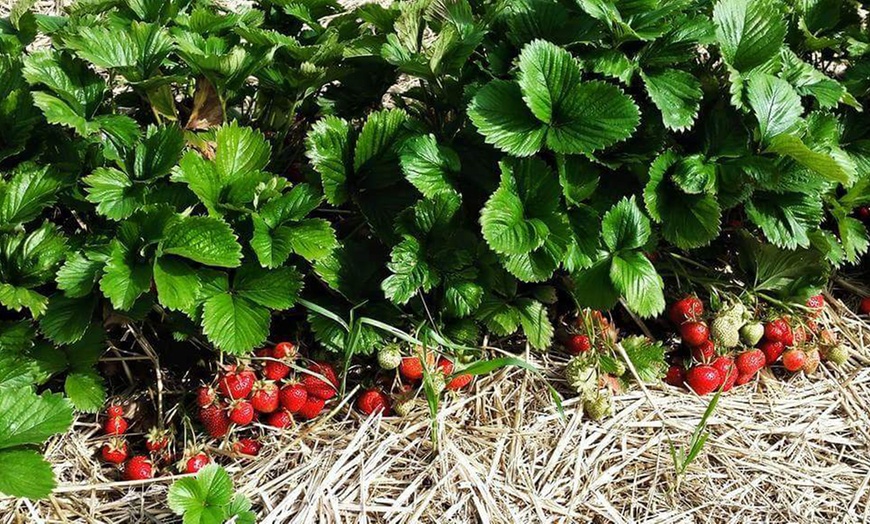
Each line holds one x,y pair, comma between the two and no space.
719,361
272,394
411,369
116,450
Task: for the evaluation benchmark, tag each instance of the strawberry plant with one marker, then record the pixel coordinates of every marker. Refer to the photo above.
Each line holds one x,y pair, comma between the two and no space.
447,168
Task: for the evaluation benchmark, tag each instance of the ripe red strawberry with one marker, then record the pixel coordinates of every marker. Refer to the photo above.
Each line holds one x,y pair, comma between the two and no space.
864,307
688,308
236,384
205,396
247,446
725,366
115,426
312,407
578,344
263,353
265,398
373,401
863,212
676,375
284,350
275,370
728,369
316,386
241,412
156,440
816,303
772,351
215,421
411,368
293,397
280,419
705,352
694,333
743,379
460,381
114,411
115,451
445,365
729,382
751,361
703,379
794,360
138,468
777,331
196,463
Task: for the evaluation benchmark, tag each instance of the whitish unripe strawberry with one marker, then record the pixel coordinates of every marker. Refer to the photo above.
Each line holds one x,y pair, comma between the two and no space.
437,382
752,333
389,357
404,407
581,375
598,407
725,331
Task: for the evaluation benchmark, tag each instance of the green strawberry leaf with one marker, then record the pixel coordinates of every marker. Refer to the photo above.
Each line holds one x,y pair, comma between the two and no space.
625,226
206,240
29,419
202,499
635,278
177,283
514,219
500,115
85,390
115,195
66,319
25,474
330,149
776,104
234,324
749,32
125,278
688,221
677,94
276,289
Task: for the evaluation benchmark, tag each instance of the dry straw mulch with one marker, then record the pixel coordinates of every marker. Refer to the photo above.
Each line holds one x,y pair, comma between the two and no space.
781,450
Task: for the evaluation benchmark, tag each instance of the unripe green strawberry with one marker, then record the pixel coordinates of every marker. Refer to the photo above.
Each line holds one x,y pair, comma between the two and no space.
737,311
405,407
725,331
437,382
752,333
389,357
838,354
581,375
598,407
620,368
